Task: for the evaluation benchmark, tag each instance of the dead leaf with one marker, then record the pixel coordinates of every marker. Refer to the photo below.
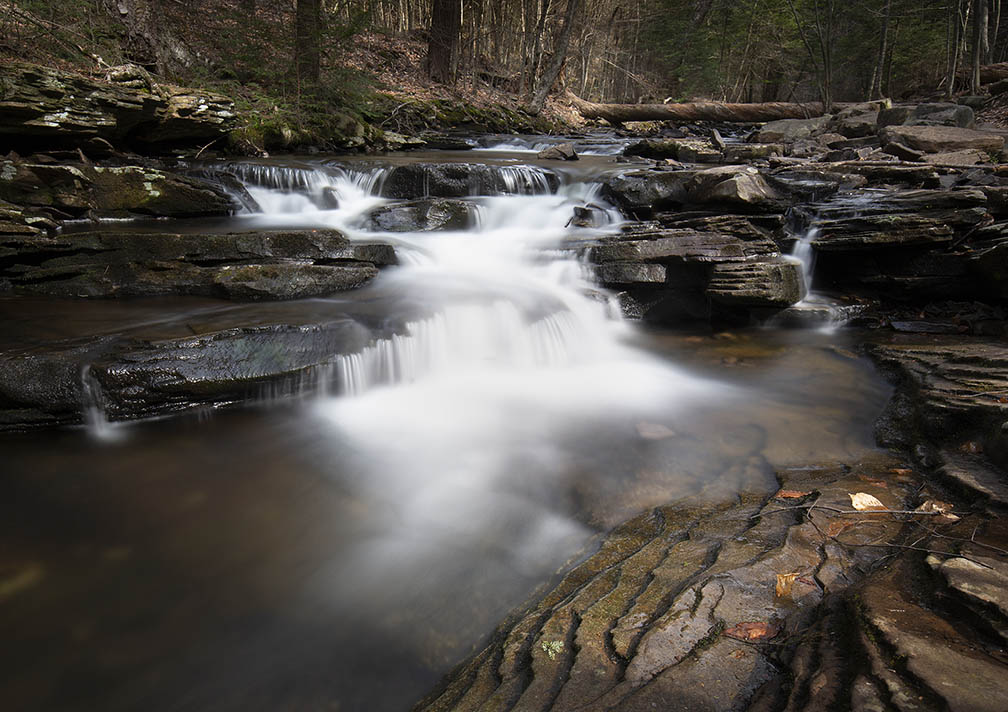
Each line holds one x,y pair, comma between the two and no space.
654,431
791,494
972,447
784,584
862,501
934,505
949,517
838,526
738,654
753,630
900,471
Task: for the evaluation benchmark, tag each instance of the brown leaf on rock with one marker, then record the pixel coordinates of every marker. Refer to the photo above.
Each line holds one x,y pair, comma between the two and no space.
791,494
753,630
862,501
838,526
971,447
784,584
900,471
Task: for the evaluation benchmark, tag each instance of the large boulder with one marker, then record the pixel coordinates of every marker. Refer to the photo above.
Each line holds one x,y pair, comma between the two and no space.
790,130
941,139
84,190
856,121
735,185
686,150
942,114
559,152
640,192
422,215
51,107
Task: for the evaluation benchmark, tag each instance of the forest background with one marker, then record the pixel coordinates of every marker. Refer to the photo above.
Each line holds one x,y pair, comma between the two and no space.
374,58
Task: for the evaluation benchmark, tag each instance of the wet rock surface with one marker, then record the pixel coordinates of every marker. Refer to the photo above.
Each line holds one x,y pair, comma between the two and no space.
423,215
681,608
77,190
215,356
790,598
245,266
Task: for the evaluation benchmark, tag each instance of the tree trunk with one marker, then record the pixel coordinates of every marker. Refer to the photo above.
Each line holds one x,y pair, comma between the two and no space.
552,71
875,91
308,40
979,42
697,111
442,47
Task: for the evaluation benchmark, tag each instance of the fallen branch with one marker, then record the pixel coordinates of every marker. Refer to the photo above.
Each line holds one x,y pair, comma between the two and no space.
697,111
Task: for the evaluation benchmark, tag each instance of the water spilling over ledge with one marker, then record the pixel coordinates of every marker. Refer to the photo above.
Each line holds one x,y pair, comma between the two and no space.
425,450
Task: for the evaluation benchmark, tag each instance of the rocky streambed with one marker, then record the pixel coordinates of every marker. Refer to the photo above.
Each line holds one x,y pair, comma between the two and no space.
451,432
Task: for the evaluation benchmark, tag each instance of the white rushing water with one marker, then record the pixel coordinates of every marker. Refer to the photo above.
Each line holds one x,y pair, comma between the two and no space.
519,363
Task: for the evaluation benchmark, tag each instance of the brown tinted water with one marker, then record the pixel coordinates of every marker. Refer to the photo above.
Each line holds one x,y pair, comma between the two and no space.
258,558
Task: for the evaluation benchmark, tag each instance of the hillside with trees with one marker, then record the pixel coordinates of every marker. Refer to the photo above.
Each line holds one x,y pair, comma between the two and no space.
386,61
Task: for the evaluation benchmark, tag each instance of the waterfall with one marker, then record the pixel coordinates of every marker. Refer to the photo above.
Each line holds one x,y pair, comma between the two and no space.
95,419
508,305
804,252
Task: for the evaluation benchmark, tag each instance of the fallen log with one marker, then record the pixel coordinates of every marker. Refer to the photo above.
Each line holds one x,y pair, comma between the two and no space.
991,73
698,111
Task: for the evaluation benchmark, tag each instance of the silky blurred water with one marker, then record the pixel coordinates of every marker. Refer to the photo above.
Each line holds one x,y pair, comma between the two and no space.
344,549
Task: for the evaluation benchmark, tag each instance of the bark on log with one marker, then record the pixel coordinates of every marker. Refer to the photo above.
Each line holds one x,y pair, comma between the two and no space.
698,111
993,73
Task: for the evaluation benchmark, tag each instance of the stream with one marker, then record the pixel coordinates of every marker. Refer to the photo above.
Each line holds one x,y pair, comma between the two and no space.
344,543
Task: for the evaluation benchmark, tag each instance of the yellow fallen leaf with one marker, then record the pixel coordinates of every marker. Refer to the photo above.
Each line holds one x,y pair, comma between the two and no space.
862,500
784,584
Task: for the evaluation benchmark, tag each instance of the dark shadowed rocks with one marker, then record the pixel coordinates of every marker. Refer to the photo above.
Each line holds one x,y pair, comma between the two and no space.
244,266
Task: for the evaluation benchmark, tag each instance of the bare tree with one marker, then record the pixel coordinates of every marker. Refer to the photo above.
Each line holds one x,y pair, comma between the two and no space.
443,45
556,63
308,40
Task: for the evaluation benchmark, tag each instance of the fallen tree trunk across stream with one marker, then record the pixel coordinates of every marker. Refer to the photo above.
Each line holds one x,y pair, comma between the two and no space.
698,111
